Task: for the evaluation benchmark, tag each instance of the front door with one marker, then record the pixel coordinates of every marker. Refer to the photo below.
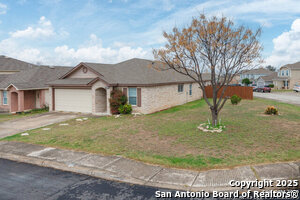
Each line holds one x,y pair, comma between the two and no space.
286,84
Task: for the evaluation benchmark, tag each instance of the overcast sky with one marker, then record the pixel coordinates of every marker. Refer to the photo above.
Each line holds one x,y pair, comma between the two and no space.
66,32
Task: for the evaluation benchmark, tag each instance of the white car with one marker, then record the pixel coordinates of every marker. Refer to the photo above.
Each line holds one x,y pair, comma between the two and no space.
296,88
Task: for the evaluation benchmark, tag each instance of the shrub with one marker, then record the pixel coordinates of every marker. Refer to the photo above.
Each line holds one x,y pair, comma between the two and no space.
246,81
271,110
125,109
117,99
271,85
235,99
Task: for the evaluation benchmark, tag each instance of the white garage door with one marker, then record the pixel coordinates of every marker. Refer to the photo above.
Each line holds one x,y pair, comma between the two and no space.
73,100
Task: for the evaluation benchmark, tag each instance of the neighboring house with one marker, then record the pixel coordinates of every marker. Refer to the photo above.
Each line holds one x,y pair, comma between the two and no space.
8,67
254,74
266,80
87,87
27,89
288,76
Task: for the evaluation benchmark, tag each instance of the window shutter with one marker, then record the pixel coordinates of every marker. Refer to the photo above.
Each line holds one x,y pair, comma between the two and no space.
125,91
139,97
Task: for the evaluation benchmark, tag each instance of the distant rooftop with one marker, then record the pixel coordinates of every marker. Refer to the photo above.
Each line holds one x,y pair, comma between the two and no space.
11,64
295,66
257,71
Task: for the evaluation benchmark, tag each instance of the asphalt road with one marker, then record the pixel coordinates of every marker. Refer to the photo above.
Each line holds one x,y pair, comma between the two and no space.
286,97
25,181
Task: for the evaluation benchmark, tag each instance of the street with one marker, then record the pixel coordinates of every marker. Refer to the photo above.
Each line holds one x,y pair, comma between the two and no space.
286,97
26,181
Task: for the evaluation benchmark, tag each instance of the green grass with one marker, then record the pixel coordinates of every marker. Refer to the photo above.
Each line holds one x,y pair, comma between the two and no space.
171,137
9,116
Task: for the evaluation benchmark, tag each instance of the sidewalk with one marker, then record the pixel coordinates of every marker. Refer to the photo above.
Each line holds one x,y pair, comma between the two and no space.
125,170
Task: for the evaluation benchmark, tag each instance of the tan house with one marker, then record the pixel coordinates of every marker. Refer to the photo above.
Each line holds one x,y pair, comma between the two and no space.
87,87
288,76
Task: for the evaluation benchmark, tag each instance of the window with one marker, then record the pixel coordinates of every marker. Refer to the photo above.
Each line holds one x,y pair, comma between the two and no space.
132,96
287,72
4,97
190,91
180,88
282,72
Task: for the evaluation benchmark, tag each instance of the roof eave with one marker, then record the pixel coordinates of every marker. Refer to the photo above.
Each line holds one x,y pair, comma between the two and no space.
150,84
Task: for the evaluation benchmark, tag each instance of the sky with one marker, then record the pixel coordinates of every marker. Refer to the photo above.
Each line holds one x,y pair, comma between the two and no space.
67,32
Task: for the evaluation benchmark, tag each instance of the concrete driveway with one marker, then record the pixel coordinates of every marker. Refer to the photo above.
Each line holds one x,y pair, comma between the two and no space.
286,97
15,126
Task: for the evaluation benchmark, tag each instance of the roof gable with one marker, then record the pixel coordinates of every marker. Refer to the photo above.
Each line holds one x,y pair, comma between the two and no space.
81,71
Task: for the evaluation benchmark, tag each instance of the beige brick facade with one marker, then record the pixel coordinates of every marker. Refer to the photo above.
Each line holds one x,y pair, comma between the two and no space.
295,78
156,98
96,101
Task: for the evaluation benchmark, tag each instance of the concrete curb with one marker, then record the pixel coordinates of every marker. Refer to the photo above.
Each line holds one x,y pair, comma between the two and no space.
133,172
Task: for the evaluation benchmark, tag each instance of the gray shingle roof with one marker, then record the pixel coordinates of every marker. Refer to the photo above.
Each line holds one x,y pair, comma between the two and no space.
11,64
257,71
270,77
294,66
138,72
35,78
3,77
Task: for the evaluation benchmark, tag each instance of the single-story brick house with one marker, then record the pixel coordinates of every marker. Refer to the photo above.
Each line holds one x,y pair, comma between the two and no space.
28,89
87,87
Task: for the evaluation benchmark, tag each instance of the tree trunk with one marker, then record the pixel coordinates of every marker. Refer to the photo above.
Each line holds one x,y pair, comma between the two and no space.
214,114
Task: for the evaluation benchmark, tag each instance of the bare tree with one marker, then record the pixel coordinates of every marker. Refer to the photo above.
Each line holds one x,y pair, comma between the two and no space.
214,45
271,68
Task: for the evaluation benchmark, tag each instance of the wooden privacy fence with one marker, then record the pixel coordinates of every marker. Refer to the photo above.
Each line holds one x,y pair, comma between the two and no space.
242,91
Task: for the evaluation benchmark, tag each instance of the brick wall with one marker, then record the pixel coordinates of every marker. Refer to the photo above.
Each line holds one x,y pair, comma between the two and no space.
156,98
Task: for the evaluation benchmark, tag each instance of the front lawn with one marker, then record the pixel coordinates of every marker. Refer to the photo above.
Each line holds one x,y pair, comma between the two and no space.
171,137
9,116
